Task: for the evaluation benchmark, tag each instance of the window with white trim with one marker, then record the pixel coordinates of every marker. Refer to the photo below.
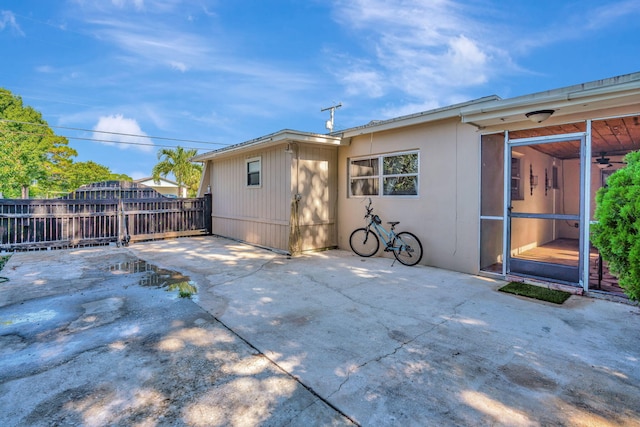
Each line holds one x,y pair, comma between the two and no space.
254,171
517,192
393,174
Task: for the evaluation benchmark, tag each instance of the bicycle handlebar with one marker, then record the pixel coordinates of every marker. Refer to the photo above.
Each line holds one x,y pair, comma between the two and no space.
368,208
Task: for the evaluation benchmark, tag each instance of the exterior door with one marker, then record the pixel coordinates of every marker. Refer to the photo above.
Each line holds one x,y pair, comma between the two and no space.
544,208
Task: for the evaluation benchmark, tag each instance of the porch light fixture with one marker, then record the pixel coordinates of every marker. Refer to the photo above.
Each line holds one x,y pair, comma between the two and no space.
539,116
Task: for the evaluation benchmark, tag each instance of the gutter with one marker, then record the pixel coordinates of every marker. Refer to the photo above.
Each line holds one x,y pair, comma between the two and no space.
572,95
279,137
449,112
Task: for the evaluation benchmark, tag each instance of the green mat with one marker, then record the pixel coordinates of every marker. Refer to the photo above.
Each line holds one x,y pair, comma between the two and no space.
537,292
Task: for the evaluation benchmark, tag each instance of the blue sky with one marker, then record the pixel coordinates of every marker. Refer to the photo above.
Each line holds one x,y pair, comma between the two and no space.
228,71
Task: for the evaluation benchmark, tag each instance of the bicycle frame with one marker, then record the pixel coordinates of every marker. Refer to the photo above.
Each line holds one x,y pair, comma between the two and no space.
386,236
364,241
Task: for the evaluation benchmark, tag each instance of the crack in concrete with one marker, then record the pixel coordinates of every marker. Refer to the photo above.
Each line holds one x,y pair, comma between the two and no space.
397,349
251,273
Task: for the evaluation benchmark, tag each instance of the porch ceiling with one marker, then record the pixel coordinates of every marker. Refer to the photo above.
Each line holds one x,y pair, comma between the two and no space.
615,136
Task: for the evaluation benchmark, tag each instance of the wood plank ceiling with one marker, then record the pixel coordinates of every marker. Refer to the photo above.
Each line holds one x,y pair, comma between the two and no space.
612,137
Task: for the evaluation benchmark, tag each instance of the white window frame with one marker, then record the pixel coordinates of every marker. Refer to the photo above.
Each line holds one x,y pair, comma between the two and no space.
247,174
380,176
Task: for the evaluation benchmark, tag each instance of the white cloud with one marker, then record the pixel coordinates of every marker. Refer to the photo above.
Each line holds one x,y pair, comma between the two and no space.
363,82
138,4
8,19
176,65
466,61
125,132
425,49
155,44
45,69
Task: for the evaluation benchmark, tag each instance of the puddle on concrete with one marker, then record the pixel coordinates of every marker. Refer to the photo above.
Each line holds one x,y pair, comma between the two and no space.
154,276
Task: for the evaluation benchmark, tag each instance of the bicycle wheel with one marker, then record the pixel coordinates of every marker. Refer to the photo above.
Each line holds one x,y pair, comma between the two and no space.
364,242
410,248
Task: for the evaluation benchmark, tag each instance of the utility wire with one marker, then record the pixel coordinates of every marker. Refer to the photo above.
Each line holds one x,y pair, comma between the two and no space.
114,133
99,140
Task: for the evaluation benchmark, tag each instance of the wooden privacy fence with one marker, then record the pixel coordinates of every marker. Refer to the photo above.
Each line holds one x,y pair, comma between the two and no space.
98,215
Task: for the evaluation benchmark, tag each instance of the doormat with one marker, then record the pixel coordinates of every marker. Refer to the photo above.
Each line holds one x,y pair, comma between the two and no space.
537,292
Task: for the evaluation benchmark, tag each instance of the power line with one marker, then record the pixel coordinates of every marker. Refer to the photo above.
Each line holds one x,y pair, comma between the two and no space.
115,133
99,140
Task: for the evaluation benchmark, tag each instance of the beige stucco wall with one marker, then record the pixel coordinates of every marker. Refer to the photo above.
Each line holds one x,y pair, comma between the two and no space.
568,199
445,214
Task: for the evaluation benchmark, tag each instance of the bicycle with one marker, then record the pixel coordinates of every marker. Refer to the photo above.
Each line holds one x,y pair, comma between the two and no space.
406,247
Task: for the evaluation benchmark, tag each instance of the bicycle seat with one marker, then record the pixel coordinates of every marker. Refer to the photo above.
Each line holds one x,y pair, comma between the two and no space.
393,223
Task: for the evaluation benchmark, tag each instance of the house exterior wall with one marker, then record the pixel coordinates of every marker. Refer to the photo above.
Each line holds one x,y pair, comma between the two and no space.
163,187
569,200
258,215
270,215
315,178
445,214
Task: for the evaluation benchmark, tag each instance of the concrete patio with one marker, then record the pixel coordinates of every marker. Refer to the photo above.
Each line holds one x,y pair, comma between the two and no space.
322,339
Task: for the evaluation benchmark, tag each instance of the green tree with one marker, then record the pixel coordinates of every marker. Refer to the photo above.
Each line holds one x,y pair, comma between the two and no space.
80,173
29,150
177,161
617,233
34,161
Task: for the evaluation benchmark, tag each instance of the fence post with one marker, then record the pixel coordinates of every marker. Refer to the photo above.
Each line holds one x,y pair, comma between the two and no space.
208,209
123,232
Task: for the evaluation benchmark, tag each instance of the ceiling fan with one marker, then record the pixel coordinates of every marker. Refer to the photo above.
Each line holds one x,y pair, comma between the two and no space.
604,162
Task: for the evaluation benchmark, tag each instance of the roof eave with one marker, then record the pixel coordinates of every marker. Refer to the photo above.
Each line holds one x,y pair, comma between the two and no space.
618,91
266,141
415,119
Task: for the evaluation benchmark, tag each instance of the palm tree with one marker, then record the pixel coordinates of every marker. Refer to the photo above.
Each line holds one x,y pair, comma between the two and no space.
177,161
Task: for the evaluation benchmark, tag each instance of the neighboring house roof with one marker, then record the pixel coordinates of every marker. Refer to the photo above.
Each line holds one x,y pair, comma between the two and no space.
162,182
282,136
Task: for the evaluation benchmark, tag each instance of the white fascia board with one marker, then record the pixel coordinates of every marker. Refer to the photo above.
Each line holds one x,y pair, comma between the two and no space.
280,137
162,182
449,112
574,96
